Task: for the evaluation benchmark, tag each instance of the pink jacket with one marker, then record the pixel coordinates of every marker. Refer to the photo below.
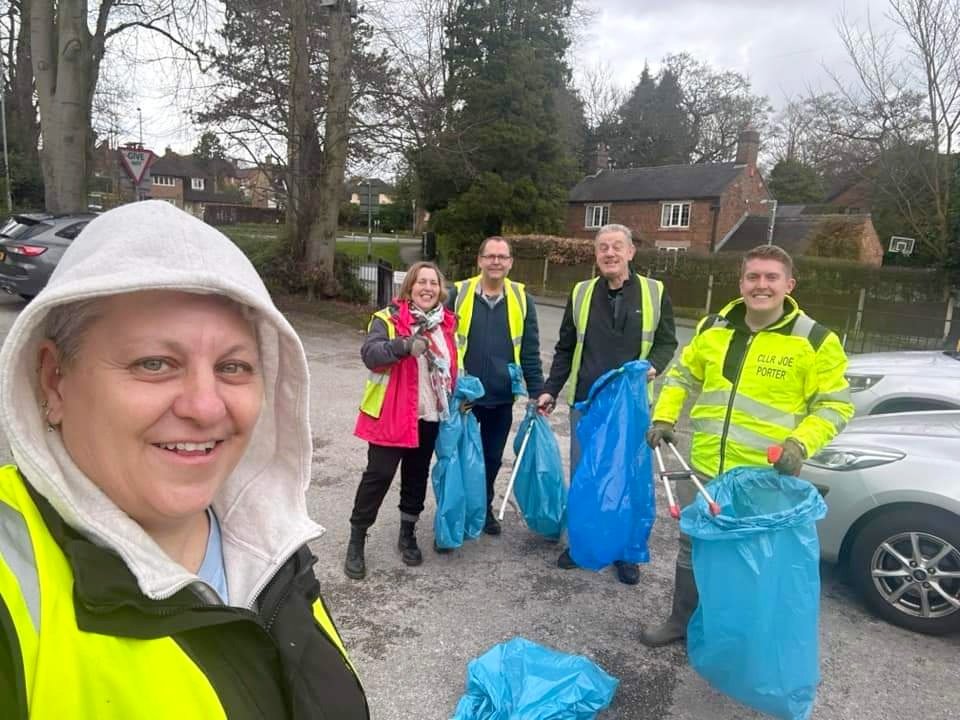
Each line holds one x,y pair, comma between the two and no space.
397,425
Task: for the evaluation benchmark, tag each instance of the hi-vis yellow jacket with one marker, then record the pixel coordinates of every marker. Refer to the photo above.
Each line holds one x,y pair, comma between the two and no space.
79,640
516,299
757,388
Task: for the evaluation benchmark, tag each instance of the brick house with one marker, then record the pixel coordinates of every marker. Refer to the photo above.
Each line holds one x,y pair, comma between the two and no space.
796,227
676,208
263,186
190,183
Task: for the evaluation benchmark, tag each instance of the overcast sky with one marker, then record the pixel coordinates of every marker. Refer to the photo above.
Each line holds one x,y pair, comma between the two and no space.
781,45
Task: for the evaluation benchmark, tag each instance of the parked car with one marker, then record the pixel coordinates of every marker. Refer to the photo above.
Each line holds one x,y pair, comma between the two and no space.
31,246
892,489
907,381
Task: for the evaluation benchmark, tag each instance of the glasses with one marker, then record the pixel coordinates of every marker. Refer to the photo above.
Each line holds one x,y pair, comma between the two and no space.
495,258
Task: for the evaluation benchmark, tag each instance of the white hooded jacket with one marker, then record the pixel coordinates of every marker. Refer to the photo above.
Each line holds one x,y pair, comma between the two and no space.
152,245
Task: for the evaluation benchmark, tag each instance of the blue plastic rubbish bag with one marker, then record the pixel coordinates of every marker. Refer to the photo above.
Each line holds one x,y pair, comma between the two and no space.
610,508
539,487
459,478
520,680
754,636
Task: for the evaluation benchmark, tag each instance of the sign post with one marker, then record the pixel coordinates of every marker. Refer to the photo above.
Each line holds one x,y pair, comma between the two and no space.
135,161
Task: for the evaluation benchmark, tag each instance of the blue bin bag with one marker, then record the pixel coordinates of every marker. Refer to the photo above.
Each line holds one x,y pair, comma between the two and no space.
755,635
539,487
518,386
459,478
520,680
610,509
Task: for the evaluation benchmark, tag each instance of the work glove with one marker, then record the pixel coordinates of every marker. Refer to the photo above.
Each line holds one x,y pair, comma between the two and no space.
417,346
791,459
660,432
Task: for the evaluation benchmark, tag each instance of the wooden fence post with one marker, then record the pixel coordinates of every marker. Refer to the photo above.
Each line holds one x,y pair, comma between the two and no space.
706,309
948,321
860,303
546,270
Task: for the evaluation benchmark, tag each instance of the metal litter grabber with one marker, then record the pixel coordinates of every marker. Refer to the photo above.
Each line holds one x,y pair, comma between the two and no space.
686,474
516,469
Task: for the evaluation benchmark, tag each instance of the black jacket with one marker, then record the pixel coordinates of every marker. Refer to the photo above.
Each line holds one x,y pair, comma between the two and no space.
268,664
610,341
490,350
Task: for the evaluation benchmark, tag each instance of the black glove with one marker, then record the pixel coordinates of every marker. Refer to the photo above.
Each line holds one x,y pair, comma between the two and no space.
660,432
791,459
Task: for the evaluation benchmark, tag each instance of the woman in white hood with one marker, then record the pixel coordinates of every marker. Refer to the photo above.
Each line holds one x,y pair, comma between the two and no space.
153,534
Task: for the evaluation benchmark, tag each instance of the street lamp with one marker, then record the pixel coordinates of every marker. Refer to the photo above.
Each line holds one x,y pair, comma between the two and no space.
773,217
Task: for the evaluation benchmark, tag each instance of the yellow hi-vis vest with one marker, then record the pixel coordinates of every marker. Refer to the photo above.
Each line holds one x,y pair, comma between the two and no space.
375,389
651,293
757,389
70,673
514,295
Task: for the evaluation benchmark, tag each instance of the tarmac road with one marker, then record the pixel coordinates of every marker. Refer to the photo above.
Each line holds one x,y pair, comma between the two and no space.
412,631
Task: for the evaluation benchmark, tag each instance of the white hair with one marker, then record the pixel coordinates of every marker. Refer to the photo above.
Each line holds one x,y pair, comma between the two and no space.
615,227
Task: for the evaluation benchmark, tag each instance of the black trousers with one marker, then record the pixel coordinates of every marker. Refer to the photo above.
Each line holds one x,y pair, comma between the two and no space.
495,422
382,462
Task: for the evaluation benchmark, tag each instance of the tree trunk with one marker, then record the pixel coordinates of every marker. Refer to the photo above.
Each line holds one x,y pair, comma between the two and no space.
65,72
323,233
22,112
298,226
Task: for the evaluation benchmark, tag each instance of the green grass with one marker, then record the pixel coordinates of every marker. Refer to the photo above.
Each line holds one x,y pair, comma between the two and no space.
387,251
256,241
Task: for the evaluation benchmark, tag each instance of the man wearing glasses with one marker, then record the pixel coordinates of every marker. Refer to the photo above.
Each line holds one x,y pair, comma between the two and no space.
498,341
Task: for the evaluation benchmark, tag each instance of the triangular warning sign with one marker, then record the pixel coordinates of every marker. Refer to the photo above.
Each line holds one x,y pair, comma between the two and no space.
135,161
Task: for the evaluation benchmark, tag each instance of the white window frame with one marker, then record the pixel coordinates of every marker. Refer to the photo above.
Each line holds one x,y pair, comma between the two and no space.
672,214
197,183
164,181
591,217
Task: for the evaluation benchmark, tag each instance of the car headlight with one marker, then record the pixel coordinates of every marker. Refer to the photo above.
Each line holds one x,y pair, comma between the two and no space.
843,459
859,383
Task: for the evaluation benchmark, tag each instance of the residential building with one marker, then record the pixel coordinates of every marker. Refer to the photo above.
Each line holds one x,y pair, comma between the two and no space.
676,208
191,183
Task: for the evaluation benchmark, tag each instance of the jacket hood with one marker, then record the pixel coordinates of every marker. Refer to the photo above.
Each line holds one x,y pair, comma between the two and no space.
151,245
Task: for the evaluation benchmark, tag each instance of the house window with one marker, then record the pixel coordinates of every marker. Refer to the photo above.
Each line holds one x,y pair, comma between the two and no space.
675,215
164,180
196,183
597,216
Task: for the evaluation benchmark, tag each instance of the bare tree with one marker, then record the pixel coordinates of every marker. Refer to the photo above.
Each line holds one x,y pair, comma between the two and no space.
908,110
66,55
602,96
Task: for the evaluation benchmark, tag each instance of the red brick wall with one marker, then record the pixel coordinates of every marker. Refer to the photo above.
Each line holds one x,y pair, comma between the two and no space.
871,249
643,218
165,192
856,196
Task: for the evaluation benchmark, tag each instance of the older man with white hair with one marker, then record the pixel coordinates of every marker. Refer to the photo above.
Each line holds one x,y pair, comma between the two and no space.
617,317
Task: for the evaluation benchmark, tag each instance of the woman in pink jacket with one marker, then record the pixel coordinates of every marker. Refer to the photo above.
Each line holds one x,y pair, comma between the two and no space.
412,356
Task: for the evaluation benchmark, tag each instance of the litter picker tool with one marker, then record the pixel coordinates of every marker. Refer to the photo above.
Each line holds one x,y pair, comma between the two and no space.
685,474
516,469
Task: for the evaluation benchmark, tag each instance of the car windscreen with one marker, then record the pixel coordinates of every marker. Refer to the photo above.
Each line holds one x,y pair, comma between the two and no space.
21,228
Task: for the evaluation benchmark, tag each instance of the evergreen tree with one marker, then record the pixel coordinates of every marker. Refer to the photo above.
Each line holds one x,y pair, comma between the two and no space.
793,182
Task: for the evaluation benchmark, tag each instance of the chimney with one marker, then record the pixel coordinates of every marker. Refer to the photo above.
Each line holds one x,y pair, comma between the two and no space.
601,159
748,145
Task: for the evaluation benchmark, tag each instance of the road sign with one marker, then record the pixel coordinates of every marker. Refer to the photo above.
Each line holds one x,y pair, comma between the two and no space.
902,245
135,162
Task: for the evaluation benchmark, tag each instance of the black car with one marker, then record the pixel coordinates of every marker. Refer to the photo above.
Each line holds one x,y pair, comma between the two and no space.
31,245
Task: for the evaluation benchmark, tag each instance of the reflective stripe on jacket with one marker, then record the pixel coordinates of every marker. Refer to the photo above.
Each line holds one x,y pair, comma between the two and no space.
757,388
82,641
651,292
514,295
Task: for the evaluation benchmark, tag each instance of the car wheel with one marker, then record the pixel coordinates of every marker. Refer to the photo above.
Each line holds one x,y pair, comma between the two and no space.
906,565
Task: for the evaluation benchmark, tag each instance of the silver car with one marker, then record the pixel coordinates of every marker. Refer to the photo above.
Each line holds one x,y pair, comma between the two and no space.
905,381
892,486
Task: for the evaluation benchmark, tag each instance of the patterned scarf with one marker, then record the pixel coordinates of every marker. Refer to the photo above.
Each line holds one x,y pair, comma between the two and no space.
425,322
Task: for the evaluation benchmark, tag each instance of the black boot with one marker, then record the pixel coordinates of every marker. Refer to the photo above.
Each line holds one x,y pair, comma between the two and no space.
685,599
491,526
407,544
354,566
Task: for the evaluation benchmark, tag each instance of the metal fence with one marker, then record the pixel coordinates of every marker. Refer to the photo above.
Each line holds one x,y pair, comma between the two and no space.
379,279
